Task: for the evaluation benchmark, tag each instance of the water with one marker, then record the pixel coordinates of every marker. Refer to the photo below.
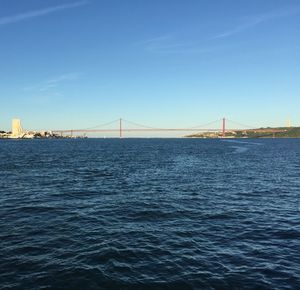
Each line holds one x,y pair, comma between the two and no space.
149,214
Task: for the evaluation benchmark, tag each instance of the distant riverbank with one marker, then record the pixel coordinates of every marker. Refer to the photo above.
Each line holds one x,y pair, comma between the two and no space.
278,132
32,135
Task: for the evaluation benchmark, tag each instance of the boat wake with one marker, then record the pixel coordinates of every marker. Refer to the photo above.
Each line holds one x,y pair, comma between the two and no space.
244,145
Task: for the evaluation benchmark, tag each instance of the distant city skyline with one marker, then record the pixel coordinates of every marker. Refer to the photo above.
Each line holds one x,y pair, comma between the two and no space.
163,63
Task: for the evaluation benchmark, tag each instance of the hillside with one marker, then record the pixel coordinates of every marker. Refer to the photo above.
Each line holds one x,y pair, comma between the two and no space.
286,132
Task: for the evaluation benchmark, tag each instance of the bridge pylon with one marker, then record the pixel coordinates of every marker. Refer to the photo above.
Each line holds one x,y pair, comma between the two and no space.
120,128
223,127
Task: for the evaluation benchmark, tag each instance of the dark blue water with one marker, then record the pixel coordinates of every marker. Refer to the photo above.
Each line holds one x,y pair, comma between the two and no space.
149,214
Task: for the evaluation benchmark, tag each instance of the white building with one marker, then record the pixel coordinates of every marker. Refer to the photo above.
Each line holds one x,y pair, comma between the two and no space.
17,130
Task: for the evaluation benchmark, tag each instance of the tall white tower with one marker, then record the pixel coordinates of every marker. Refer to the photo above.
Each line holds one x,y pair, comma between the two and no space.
16,128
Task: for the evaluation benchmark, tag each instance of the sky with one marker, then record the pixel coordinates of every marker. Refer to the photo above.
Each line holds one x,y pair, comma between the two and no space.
164,63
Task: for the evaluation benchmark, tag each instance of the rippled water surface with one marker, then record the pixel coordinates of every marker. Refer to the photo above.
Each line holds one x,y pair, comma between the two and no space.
149,214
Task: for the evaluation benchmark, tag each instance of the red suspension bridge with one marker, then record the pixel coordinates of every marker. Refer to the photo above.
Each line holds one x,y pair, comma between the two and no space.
121,126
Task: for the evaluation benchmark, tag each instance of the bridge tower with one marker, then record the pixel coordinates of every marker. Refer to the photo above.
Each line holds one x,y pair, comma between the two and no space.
223,127
120,128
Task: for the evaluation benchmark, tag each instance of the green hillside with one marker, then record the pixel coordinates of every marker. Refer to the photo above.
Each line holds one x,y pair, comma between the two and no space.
287,132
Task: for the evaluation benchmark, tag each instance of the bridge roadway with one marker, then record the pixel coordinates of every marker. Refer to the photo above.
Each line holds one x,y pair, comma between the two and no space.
167,130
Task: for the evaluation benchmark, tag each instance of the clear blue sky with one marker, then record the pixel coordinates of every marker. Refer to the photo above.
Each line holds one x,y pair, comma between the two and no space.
165,63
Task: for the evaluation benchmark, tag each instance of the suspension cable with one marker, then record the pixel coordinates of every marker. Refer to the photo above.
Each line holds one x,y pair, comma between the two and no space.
139,125
204,125
102,125
240,124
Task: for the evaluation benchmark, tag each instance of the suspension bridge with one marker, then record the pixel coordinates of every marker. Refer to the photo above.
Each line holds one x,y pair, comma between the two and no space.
122,126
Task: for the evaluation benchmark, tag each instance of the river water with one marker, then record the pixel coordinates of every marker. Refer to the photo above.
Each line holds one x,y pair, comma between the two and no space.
150,214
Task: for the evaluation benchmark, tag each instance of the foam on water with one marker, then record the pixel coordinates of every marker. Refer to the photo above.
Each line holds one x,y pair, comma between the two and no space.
240,149
242,142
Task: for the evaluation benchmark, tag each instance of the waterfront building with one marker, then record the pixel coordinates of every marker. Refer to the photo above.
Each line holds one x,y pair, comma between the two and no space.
17,129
